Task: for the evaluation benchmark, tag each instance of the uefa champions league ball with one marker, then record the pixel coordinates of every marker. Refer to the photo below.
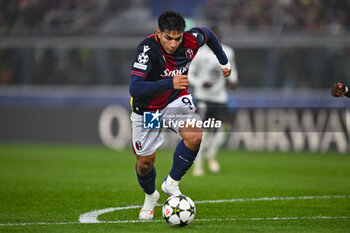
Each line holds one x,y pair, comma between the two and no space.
179,210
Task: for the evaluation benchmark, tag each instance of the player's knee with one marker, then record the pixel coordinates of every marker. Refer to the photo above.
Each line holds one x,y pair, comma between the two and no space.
144,167
195,141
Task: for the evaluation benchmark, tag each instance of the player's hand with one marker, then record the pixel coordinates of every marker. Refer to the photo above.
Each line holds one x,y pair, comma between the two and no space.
338,89
226,72
180,82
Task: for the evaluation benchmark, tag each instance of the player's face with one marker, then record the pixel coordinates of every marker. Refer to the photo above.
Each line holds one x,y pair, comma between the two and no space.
170,40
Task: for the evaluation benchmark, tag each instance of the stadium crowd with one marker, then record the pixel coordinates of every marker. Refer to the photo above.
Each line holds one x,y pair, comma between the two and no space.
302,67
38,17
51,17
282,15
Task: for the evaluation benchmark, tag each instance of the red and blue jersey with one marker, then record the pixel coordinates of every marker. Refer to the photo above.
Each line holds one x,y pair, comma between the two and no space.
152,72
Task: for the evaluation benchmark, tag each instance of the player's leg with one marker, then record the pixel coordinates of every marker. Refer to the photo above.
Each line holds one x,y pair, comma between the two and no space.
217,142
221,112
198,162
146,176
146,172
187,149
145,143
184,155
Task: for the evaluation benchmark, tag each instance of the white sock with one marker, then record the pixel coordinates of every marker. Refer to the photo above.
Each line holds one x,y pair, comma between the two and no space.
170,180
217,142
153,194
204,145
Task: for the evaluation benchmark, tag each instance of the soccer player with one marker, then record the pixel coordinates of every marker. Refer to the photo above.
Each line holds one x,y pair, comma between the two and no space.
158,85
210,92
340,90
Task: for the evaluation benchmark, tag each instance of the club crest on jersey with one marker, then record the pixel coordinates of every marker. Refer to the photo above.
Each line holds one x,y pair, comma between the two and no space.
189,53
138,145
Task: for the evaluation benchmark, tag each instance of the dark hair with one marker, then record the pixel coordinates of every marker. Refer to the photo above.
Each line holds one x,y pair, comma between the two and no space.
171,21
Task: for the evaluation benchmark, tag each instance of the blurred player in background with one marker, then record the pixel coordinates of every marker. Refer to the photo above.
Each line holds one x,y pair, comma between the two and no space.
340,90
210,92
158,86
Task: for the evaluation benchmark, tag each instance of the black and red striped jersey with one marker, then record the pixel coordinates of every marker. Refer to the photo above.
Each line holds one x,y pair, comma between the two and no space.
151,84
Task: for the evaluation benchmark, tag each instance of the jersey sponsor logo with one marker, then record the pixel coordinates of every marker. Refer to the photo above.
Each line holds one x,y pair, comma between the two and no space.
140,66
173,73
189,53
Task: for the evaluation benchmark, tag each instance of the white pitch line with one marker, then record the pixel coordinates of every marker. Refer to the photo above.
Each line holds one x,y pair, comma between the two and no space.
38,223
274,199
197,220
273,218
92,217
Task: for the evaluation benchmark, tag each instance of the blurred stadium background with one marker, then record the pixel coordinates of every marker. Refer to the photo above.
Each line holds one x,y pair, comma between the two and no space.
64,69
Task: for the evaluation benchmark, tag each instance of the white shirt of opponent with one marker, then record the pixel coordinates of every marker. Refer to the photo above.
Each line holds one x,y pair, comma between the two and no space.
205,68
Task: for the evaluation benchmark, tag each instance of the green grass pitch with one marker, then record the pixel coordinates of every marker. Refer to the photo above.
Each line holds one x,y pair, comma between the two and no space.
46,188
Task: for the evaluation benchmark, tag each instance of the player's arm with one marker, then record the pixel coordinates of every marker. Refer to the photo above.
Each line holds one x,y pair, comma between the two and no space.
141,68
340,90
209,38
140,87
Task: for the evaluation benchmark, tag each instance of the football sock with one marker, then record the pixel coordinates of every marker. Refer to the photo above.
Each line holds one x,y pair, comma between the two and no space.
217,141
182,161
147,182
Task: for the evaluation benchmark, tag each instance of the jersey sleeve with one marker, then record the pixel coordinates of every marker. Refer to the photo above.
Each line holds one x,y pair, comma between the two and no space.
199,35
205,36
141,69
142,63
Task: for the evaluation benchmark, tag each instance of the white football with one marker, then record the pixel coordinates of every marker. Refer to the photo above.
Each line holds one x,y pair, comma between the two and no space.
179,210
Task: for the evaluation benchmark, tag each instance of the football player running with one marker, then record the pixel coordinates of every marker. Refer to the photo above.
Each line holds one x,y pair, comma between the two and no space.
158,85
210,92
